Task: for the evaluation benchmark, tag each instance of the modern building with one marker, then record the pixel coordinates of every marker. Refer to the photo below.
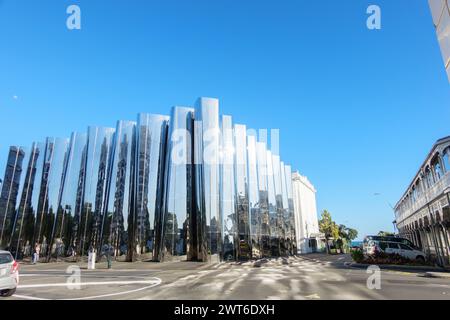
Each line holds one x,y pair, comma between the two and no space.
423,212
440,11
308,237
192,186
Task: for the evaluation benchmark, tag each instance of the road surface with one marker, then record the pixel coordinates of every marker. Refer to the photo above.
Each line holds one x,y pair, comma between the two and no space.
309,277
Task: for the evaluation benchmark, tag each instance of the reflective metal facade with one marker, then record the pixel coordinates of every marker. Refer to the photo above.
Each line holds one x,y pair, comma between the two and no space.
67,225
152,131
53,170
253,199
206,158
119,221
265,242
10,191
192,186
179,240
94,196
227,191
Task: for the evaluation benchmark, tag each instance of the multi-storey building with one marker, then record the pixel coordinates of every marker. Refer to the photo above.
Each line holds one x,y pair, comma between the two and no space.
192,186
423,212
308,237
440,12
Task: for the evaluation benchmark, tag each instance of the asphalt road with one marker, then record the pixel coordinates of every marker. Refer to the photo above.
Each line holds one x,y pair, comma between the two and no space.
299,278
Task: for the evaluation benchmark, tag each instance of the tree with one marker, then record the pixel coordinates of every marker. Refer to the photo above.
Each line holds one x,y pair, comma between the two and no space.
340,234
346,236
352,234
328,227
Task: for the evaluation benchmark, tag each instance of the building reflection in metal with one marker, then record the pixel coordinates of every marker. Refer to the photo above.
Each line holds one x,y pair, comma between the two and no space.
98,166
119,221
227,191
242,192
206,157
55,157
253,199
261,158
285,218
291,216
273,208
279,202
65,233
12,183
151,150
22,231
179,239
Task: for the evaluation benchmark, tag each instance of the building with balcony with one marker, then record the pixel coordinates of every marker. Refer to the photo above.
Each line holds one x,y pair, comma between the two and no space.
189,186
423,212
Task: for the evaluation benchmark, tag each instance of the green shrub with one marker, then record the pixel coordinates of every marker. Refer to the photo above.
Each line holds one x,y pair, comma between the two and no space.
357,255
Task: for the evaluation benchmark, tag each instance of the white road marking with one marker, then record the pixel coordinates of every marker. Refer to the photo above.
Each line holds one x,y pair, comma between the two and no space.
153,283
27,297
313,296
103,283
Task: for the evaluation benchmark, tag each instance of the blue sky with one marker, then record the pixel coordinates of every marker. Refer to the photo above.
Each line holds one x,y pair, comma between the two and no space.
358,110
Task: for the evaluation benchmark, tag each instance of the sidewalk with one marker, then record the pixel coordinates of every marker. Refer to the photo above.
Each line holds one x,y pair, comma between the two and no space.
348,262
441,275
399,267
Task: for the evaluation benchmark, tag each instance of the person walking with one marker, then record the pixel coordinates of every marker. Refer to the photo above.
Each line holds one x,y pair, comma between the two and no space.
37,251
107,250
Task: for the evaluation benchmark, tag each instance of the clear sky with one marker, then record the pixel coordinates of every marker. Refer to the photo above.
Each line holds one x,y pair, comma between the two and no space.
358,110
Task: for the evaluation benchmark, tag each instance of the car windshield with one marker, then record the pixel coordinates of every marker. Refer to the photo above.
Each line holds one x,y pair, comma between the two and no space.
5,258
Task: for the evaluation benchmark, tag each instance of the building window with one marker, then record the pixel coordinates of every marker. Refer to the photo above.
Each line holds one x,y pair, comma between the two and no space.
437,170
446,159
429,178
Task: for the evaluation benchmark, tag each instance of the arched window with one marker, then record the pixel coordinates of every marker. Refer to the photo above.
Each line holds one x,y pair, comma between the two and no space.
413,195
429,180
418,188
446,159
437,169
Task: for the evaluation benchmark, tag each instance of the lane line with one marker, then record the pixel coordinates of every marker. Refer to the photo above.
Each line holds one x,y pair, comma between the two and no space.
100,283
27,297
154,283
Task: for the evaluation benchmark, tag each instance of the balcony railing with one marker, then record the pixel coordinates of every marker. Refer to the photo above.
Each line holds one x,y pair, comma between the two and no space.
427,196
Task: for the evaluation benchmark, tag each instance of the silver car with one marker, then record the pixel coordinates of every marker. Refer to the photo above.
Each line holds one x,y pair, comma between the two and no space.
9,274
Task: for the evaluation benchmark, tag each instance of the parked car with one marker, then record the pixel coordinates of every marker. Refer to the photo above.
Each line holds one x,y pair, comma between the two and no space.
9,274
391,239
391,247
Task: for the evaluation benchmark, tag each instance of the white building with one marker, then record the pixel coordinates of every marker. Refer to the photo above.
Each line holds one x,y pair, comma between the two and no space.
423,212
308,237
440,11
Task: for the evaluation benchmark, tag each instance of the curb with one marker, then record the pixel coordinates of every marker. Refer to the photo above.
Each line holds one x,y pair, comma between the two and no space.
428,269
440,275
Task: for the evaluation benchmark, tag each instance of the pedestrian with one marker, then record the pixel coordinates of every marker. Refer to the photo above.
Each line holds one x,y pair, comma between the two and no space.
73,253
108,249
37,250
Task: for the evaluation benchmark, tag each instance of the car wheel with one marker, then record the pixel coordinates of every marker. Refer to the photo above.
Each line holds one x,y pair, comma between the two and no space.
7,293
420,258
